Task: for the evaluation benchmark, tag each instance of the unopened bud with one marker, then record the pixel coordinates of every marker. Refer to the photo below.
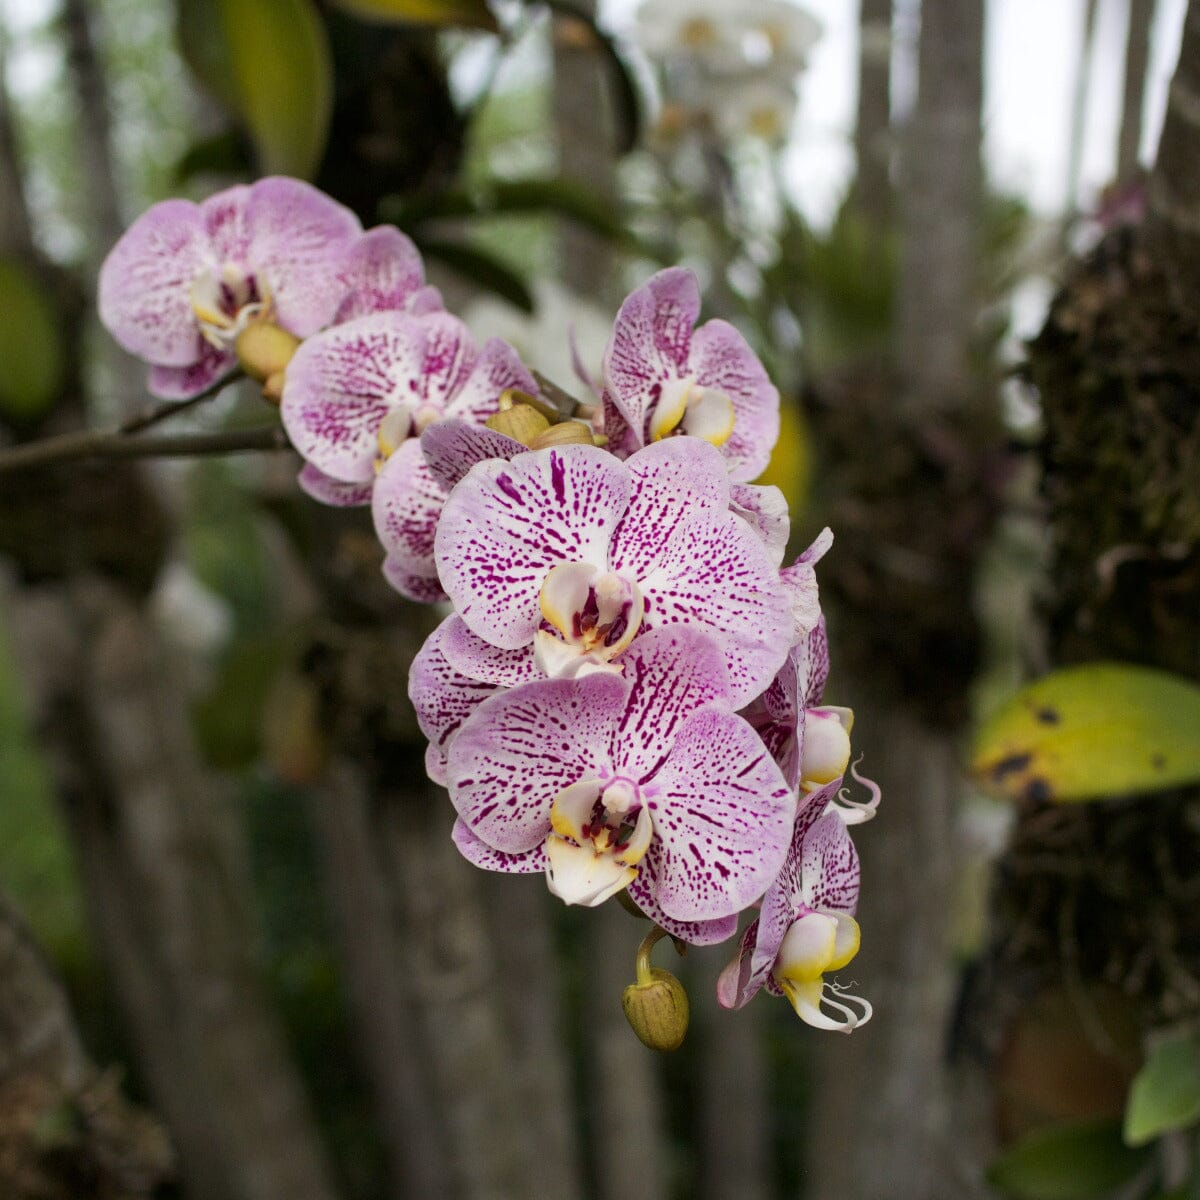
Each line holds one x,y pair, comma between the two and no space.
657,1010
264,351
520,421
565,433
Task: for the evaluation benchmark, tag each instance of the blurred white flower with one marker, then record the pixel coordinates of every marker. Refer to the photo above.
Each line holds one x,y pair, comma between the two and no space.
190,615
560,319
730,67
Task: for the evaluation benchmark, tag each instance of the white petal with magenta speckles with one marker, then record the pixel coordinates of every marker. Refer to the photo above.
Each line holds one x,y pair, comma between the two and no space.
714,572
480,854
452,447
341,384
522,747
723,816
507,524
405,506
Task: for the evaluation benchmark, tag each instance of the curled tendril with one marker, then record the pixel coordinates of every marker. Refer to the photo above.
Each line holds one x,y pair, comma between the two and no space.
857,812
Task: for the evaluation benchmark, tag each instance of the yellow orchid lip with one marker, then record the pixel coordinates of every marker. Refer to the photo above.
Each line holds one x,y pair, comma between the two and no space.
686,407
600,832
225,301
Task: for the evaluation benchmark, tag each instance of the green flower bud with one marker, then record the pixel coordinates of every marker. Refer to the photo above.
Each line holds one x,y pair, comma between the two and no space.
657,1010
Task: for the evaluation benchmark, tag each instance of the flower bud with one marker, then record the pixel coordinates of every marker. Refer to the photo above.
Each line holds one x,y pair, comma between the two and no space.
657,1010
563,434
264,351
520,421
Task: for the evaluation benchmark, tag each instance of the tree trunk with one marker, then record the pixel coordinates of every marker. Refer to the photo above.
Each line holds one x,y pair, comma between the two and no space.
168,894
911,513
66,1133
873,127
1133,97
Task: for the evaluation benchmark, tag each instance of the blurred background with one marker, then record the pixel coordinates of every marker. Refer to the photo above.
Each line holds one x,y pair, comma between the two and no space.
242,959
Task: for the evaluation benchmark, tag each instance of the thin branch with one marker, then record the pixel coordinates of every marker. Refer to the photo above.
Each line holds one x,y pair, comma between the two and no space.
172,408
106,444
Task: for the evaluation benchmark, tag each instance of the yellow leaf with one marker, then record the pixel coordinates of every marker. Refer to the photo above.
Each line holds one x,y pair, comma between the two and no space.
269,62
1082,733
473,13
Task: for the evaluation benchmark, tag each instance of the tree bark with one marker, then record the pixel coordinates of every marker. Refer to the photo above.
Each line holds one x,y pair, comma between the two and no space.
66,1133
873,126
1133,96
168,894
910,512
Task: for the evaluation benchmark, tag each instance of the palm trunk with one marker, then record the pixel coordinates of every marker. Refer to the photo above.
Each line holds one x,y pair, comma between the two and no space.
1133,97
910,517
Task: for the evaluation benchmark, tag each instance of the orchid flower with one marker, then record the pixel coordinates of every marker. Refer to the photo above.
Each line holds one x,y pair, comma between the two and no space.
663,376
186,280
645,781
806,926
356,395
568,554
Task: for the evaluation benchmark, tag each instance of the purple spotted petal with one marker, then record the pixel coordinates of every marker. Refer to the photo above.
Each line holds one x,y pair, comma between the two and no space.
424,589
341,384
622,441
695,933
650,343
721,358
182,383
384,273
723,815
765,509
481,660
442,697
671,480
453,446
480,854
829,866
800,582
145,284
405,505
507,523
315,483
297,240
782,903
522,747
812,665
497,368
716,573
671,673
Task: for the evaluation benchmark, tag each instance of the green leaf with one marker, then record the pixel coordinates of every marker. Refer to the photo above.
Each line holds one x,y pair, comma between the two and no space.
1067,1162
269,63
1166,1092
1098,730
31,348
481,268
474,14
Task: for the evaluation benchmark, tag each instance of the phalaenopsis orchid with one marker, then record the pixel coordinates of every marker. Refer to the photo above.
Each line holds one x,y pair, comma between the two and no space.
625,696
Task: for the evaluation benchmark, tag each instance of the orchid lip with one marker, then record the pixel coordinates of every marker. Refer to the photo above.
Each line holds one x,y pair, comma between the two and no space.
686,407
600,832
225,301
595,613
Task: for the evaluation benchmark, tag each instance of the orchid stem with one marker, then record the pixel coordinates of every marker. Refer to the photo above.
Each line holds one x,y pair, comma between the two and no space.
100,444
651,940
162,412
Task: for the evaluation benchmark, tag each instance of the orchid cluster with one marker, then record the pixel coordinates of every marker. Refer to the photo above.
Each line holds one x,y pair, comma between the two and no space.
730,67
625,694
